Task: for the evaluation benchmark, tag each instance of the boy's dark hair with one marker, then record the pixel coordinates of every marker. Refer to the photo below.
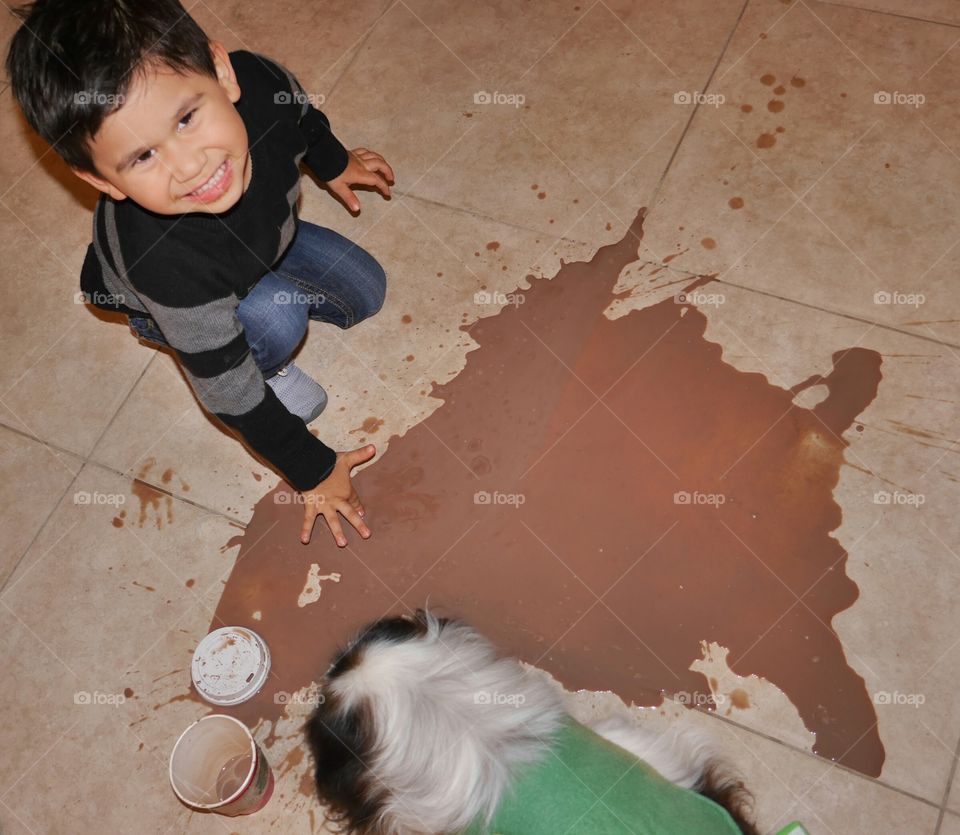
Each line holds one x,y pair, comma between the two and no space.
72,62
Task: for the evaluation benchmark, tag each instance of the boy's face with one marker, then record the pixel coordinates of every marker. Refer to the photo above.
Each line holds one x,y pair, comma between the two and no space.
177,144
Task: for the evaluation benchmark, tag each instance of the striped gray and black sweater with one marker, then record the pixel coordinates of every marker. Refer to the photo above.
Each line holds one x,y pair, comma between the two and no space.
189,272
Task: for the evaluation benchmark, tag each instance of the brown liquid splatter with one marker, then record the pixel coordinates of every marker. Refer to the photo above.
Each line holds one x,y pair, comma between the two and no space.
150,498
406,318
740,699
145,588
190,583
128,693
799,82
541,195
768,79
766,140
493,246
775,105
118,520
779,90
369,426
746,108
602,515
708,243
167,475
735,202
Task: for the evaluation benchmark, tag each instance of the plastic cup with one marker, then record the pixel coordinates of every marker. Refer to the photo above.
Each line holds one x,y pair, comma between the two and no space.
216,766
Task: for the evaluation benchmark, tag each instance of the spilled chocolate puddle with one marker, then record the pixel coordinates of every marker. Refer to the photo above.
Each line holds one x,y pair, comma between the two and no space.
694,499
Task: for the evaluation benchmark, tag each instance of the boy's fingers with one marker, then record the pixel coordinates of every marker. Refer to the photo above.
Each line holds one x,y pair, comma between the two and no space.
344,192
354,519
309,517
360,455
331,516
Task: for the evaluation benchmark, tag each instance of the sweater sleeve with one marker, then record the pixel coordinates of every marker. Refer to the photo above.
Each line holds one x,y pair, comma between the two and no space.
325,156
212,349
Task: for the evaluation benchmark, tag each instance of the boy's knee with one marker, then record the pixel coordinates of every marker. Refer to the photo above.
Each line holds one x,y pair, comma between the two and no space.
375,291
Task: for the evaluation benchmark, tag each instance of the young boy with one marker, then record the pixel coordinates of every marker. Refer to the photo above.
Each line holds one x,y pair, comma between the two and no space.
196,236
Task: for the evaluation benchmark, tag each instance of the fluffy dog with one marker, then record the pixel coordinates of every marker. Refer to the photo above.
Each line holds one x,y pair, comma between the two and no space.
423,728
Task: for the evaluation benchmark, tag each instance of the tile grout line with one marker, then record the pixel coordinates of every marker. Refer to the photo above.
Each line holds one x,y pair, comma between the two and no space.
946,791
890,14
40,530
696,107
811,755
120,406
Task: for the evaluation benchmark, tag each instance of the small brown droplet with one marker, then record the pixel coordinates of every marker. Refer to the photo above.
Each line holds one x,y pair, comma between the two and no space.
439,275
766,140
779,90
609,227
768,79
541,195
117,522
780,129
167,475
708,243
735,202
774,105
468,114
534,186
886,165
127,692
190,583
746,108
796,81
406,318
409,358
493,246
476,253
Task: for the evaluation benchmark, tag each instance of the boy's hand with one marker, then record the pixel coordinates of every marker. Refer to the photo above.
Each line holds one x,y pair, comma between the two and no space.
336,493
366,168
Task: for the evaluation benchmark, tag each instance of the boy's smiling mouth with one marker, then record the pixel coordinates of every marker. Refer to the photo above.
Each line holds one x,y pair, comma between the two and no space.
215,186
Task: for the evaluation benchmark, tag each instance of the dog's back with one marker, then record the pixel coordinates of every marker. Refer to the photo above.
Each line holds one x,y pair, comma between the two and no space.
423,728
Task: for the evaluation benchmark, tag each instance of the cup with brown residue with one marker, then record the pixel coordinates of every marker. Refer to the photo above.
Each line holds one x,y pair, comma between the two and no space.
216,766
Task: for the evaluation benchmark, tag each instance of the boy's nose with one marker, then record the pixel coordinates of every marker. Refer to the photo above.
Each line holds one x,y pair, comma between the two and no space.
187,164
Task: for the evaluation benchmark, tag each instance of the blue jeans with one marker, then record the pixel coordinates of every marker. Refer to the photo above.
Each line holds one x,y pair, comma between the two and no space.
322,276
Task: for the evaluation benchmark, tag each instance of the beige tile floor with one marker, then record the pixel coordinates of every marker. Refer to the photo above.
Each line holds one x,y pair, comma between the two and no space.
855,198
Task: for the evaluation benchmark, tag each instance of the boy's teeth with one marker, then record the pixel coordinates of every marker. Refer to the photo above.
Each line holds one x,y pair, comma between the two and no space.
213,180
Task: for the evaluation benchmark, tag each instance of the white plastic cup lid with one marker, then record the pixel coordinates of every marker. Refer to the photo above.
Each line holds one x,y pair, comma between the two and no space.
230,665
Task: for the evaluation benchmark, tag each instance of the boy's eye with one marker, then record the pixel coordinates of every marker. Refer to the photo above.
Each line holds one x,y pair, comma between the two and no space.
188,117
143,157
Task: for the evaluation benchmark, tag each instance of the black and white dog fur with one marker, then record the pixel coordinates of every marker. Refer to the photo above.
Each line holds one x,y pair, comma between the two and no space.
396,697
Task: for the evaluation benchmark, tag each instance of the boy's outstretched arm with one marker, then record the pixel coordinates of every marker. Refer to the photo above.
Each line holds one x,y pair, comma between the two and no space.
336,494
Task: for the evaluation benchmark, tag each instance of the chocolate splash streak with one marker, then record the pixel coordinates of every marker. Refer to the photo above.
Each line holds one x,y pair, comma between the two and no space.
599,497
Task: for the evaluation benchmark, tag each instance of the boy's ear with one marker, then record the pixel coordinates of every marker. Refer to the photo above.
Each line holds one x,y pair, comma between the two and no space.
99,183
225,73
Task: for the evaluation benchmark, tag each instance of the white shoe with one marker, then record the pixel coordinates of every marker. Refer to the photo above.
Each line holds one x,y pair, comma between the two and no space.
299,392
